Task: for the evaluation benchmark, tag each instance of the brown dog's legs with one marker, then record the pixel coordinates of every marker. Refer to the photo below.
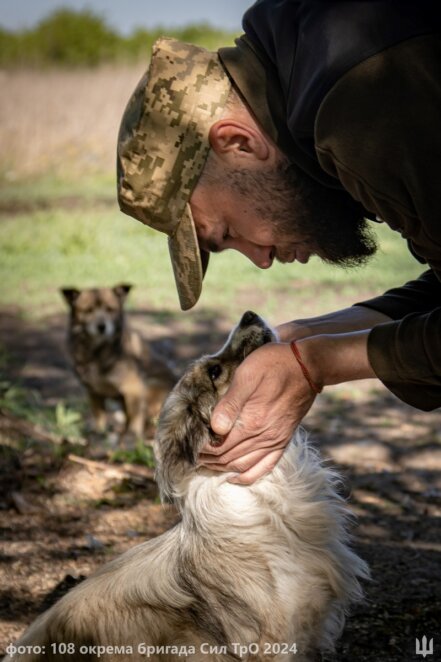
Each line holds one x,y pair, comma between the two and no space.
97,404
135,410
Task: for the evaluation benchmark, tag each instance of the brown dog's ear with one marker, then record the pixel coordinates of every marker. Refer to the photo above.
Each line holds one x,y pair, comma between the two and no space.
122,290
70,294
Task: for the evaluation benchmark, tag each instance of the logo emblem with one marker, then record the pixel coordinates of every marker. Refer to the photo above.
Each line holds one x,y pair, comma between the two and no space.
423,647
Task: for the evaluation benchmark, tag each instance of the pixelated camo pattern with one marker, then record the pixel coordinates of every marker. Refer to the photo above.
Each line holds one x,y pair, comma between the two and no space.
163,140
162,148
186,261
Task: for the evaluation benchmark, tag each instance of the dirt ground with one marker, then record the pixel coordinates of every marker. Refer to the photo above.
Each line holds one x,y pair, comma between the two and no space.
61,519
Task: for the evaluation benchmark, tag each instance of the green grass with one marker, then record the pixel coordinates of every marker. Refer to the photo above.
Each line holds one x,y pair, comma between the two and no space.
95,246
63,420
140,454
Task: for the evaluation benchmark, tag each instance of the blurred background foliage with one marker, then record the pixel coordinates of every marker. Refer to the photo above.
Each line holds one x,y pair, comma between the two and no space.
83,38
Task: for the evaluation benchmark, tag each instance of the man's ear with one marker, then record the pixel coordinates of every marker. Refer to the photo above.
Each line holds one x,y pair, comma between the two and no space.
237,141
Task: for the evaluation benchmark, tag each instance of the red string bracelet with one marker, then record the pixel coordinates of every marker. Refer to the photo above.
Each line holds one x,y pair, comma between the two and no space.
315,388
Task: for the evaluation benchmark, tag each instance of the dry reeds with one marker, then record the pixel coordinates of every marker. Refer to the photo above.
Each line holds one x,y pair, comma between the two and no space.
62,123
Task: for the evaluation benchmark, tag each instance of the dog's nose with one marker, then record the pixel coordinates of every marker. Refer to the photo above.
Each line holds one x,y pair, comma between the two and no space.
101,327
248,318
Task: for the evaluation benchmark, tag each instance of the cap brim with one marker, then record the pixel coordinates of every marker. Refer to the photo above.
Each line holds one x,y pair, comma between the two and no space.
188,261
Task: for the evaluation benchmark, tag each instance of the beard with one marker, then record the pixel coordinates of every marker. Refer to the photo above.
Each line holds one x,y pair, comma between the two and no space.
331,223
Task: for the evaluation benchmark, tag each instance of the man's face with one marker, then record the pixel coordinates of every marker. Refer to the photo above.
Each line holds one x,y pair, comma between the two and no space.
224,220
278,213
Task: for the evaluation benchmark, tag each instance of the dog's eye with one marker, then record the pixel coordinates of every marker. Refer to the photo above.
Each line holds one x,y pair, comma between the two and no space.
214,371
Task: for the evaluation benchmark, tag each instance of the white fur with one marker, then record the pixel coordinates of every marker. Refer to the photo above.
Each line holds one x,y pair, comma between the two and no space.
295,517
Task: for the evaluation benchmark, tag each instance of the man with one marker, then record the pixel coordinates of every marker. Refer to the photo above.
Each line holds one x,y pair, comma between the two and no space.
323,114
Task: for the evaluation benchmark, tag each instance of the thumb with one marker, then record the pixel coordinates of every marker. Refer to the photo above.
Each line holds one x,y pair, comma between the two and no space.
227,410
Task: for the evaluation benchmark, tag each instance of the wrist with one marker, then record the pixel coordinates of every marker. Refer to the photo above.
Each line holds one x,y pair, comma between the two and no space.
315,387
348,320
295,330
336,358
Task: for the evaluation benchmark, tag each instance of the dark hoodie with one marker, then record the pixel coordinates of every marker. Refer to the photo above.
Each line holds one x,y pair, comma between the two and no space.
351,92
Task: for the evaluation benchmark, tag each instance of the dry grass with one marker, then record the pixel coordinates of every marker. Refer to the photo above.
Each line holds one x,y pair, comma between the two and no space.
62,123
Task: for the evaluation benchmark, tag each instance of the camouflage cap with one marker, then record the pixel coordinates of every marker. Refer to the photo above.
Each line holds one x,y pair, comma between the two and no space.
162,148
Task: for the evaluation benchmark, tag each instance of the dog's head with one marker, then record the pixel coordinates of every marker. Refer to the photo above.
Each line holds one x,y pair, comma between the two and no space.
97,312
184,423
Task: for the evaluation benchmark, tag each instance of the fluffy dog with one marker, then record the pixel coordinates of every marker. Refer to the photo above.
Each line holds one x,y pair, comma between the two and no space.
249,573
111,361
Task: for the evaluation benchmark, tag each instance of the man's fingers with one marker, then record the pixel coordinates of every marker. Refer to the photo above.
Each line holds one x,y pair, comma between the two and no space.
240,464
234,448
228,409
236,437
226,413
264,466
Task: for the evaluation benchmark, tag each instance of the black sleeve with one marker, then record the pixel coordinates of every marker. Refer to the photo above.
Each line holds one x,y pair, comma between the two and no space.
416,296
406,353
406,357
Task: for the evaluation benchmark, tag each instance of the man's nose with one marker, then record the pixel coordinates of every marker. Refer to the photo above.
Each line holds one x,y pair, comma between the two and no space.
261,256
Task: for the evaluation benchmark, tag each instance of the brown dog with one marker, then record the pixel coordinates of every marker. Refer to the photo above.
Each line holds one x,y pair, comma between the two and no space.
111,360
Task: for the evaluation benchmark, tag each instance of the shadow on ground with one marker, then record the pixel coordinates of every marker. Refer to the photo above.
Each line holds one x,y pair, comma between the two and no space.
74,518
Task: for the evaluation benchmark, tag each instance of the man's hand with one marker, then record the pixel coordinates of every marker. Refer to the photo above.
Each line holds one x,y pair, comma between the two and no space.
266,401
270,395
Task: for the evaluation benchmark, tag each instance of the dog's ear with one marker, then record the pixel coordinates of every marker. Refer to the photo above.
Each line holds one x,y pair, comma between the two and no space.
194,435
181,434
71,294
122,290
188,435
